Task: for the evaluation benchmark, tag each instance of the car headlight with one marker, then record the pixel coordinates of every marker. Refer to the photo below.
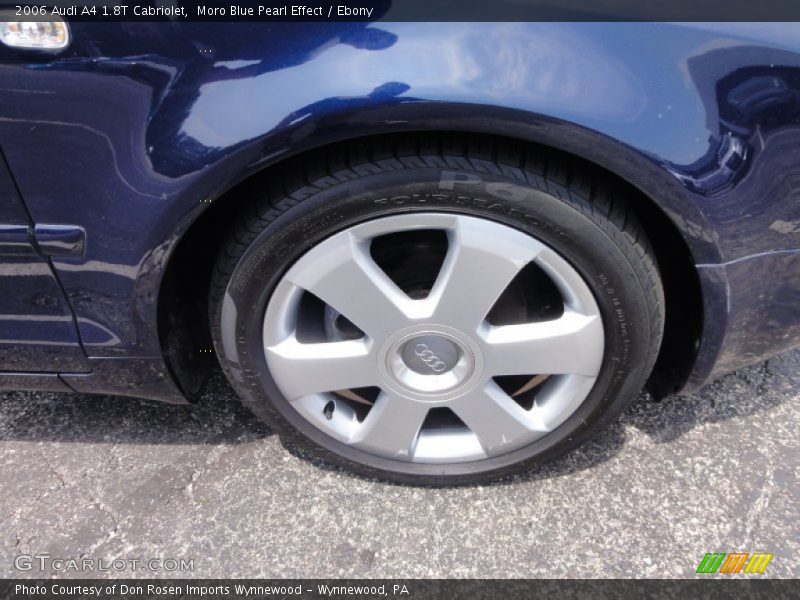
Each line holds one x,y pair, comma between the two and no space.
37,35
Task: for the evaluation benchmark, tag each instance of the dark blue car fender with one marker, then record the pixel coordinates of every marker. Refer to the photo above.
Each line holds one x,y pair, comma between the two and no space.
137,130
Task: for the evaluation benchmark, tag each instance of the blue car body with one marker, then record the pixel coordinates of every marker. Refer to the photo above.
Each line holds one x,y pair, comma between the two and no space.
124,154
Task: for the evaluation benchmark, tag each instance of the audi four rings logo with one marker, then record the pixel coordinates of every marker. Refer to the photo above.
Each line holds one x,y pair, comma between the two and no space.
436,364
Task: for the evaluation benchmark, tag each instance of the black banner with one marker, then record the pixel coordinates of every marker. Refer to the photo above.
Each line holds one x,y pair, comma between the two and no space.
404,10
450,589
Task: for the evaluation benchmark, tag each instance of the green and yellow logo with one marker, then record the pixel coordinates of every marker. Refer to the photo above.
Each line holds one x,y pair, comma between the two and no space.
735,562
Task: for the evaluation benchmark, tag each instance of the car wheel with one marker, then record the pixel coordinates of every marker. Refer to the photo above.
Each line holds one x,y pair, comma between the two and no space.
437,312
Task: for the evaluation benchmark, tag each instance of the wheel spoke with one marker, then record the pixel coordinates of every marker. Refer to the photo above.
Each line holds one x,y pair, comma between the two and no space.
571,344
305,369
391,427
477,269
499,423
343,275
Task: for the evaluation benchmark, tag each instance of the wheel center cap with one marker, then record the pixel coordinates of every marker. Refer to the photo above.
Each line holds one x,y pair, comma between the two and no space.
430,354
430,362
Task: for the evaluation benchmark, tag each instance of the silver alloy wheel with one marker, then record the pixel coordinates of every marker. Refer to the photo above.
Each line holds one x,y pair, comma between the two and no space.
435,352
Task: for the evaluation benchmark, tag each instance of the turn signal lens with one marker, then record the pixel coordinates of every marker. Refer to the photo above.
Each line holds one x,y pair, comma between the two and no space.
43,35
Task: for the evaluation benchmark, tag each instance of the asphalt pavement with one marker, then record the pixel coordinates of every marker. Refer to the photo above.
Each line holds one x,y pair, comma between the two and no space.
207,491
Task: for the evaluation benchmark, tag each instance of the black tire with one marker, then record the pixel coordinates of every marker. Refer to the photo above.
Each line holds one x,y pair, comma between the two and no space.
574,209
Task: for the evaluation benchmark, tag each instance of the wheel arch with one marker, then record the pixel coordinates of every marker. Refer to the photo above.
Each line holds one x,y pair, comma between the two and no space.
676,228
